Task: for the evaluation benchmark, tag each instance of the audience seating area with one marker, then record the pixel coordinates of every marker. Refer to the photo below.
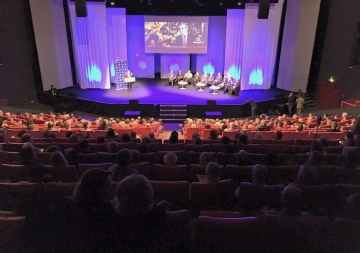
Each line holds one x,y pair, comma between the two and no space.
206,217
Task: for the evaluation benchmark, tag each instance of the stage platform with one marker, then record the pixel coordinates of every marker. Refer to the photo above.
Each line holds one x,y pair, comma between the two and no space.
155,98
157,91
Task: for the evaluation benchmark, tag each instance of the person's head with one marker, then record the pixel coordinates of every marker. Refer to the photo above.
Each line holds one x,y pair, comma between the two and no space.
334,125
350,157
27,154
213,172
69,133
315,159
291,200
51,148
30,127
183,29
133,135
349,135
73,138
225,140
20,133
307,175
146,140
58,159
26,138
213,134
353,206
112,147
123,157
84,146
135,156
197,140
71,156
259,174
278,135
259,136
170,159
100,139
174,138
205,158
110,133
243,139
316,146
135,196
299,127
37,173
194,135
324,142
151,136
94,188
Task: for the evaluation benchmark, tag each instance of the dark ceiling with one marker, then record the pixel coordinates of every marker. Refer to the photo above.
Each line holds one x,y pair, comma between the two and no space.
178,7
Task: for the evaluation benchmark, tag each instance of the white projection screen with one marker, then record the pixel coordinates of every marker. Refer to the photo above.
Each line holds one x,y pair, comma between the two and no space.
176,34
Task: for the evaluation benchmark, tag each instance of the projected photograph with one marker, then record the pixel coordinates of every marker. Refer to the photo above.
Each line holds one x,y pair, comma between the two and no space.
186,36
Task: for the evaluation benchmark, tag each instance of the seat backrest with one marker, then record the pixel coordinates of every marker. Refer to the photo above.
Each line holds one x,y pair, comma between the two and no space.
190,131
228,234
282,174
81,168
13,173
11,230
148,157
335,136
293,234
205,134
326,174
211,197
63,173
250,148
179,225
169,173
238,173
143,131
143,168
87,158
230,134
105,157
225,159
177,193
97,147
172,146
267,135
12,157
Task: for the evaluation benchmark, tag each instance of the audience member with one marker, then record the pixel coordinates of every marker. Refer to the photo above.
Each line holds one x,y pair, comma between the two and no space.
206,158
58,159
143,148
259,175
315,159
146,140
27,154
214,134
100,139
83,146
352,208
349,140
112,147
170,159
291,200
243,139
306,176
125,138
278,135
121,169
213,173
135,156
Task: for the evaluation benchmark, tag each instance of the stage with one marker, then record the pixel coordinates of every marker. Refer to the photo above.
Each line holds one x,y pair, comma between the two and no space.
157,91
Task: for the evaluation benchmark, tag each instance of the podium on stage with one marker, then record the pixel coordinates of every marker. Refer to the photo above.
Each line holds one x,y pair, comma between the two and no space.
129,79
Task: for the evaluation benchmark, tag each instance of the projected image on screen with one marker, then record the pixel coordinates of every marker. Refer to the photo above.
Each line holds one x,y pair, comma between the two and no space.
176,34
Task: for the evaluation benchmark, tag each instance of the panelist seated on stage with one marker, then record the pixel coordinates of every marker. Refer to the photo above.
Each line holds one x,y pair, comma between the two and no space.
229,84
210,80
234,89
179,76
224,82
188,76
218,79
196,78
204,78
172,78
128,74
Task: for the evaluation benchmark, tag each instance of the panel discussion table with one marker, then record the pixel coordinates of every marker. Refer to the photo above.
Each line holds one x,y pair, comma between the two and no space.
214,88
183,85
201,85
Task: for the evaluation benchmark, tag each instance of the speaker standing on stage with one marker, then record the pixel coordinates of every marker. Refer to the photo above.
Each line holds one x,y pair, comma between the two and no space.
171,78
128,74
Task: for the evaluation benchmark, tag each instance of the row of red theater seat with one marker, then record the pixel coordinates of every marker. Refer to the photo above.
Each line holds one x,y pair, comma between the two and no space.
277,174
226,232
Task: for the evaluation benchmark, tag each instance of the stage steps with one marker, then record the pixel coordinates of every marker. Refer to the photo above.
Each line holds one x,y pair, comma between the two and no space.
309,101
173,113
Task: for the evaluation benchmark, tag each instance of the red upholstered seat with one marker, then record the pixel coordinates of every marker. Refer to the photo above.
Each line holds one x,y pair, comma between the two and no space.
11,233
143,168
238,173
179,226
228,234
294,234
169,173
148,157
82,167
177,193
210,197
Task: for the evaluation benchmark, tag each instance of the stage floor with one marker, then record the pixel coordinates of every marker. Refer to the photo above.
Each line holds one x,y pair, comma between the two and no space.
157,91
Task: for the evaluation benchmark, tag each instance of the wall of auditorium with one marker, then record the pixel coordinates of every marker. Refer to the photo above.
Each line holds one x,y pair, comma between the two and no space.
338,46
16,74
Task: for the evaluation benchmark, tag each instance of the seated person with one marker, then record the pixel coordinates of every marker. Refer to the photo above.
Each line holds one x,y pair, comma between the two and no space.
291,200
212,176
179,76
218,79
170,159
229,84
188,76
172,78
224,82
231,89
204,78
121,168
210,80
196,78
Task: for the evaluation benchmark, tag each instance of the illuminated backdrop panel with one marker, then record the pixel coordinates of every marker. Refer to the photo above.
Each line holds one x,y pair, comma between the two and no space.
116,37
140,63
90,47
213,61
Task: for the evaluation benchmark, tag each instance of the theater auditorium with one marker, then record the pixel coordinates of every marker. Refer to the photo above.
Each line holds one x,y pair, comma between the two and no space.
179,126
